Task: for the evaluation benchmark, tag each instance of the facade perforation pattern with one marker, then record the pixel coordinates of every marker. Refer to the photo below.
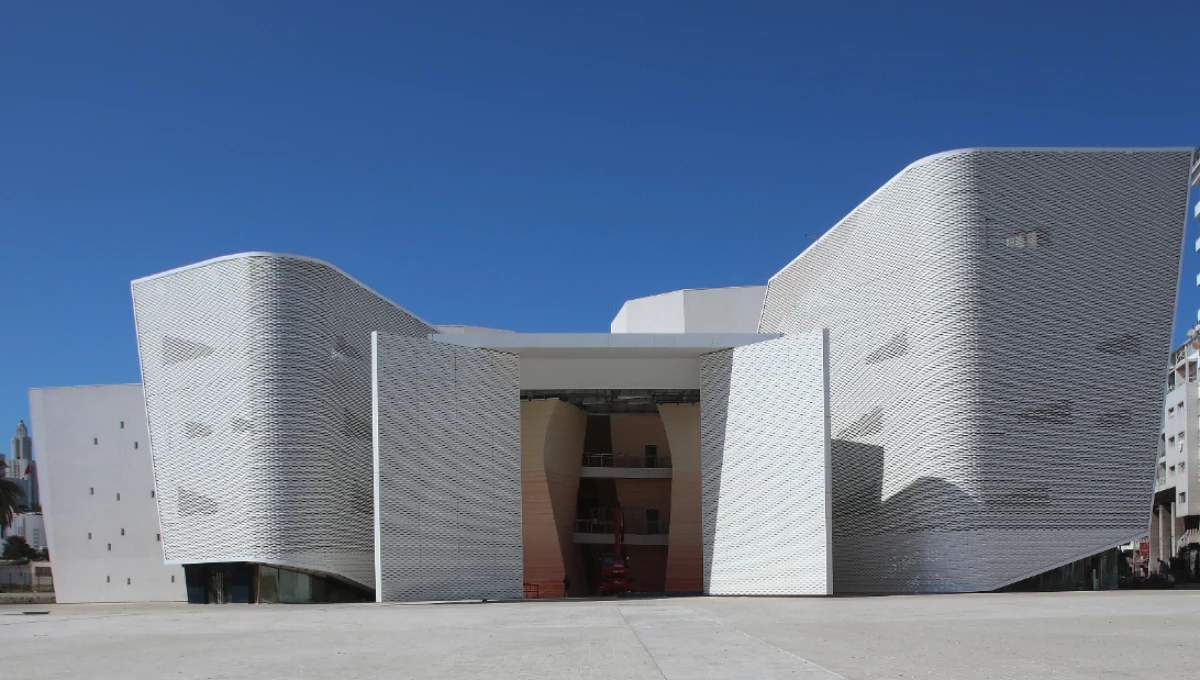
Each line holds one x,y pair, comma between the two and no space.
257,390
1023,293
765,468
448,471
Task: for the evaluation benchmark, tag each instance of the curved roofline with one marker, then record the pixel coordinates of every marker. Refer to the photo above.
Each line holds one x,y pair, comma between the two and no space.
981,149
283,256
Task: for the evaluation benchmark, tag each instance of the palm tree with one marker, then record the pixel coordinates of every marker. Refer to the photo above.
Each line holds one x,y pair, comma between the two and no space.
11,494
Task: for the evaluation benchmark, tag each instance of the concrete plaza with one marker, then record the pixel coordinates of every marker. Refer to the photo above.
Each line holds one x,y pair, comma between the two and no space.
1145,634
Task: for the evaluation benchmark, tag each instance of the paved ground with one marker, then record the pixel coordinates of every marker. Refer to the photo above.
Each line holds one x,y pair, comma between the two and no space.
1051,635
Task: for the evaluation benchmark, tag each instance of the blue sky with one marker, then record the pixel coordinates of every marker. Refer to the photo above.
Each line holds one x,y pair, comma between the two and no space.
522,165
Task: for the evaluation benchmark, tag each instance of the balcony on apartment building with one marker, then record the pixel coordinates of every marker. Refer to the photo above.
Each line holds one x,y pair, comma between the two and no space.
647,465
643,526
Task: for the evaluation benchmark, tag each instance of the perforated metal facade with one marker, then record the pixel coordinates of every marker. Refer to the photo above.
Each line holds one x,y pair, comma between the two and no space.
999,321
258,394
447,472
765,468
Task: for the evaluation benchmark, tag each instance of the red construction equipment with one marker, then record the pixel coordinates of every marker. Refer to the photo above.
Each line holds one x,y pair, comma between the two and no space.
614,566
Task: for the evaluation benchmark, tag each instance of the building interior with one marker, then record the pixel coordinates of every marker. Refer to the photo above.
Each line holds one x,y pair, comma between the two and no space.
603,465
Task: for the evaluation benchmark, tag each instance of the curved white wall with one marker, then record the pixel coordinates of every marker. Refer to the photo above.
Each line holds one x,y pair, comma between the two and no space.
257,376
995,398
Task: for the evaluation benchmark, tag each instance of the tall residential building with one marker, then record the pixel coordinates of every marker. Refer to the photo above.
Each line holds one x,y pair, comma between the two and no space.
1173,525
22,453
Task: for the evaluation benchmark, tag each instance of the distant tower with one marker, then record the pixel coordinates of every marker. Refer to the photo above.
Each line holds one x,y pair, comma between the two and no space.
22,453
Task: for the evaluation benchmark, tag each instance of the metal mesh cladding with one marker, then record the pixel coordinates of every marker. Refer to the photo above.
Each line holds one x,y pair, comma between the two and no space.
258,393
765,468
447,472
999,321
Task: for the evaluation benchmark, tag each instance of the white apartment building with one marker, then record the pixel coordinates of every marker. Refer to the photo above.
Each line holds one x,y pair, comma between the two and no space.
31,526
1173,526
98,495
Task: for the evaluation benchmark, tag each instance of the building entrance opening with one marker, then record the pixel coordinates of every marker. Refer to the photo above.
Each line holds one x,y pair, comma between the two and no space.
601,492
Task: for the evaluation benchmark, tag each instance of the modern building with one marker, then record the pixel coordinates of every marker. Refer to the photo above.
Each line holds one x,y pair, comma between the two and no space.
20,469
1174,526
899,410
100,506
22,453
693,310
30,526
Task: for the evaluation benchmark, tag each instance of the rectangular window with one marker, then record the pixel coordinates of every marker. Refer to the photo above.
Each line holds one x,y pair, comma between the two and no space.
1171,470
122,532
128,581
89,535
118,496
158,537
152,493
172,578
1171,442
92,491
1025,239
652,520
95,441
122,424
1171,411
108,579
110,547
135,445
651,455
1183,497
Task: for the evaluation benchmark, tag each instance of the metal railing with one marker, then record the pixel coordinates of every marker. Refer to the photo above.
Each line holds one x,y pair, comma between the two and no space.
625,460
601,522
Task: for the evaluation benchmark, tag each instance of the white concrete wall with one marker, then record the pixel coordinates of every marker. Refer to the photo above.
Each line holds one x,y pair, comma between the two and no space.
85,459
661,313
693,310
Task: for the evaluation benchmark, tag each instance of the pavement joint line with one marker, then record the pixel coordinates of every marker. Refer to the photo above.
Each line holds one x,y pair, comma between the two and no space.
773,646
643,644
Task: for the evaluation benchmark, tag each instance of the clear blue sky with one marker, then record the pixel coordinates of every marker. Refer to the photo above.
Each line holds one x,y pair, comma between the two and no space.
522,165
